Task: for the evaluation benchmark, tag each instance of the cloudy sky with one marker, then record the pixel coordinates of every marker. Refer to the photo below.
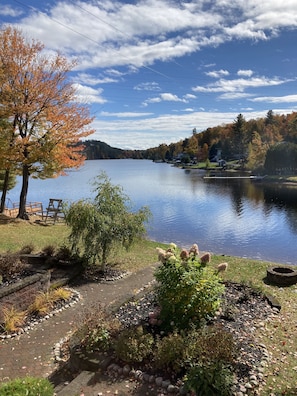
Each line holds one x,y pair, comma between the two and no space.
153,70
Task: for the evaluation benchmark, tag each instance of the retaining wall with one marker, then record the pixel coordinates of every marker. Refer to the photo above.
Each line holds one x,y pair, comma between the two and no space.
21,294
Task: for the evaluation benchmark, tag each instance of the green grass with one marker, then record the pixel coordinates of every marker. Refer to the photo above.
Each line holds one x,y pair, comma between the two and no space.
279,333
16,233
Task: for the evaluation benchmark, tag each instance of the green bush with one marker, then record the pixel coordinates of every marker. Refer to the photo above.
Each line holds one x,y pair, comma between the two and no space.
27,386
133,345
169,352
98,329
187,292
210,379
209,344
103,225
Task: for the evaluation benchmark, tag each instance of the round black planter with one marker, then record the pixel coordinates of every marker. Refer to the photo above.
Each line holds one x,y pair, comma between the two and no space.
281,276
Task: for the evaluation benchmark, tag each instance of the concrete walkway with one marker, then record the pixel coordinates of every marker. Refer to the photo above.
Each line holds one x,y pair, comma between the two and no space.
32,353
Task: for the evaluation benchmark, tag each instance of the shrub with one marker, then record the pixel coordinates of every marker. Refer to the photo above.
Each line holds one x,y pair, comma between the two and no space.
133,345
169,352
209,379
49,250
209,344
27,249
10,264
104,224
12,319
98,329
187,291
28,386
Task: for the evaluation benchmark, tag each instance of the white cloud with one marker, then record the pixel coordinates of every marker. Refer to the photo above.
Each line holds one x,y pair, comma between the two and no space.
8,10
165,97
217,73
190,96
245,73
113,34
240,84
169,97
85,94
147,86
124,115
276,99
234,95
168,128
89,79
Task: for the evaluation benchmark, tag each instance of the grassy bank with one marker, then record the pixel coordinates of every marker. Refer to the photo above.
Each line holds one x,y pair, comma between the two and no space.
279,333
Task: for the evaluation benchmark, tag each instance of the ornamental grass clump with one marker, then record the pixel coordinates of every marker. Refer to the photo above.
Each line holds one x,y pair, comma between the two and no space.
13,319
188,291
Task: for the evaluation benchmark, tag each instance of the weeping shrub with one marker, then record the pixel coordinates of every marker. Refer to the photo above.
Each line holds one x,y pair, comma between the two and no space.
100,226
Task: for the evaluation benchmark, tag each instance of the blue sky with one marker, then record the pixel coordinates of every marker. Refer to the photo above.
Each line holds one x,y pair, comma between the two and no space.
153,70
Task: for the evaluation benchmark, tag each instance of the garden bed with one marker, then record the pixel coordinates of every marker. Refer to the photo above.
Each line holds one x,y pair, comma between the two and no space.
242,312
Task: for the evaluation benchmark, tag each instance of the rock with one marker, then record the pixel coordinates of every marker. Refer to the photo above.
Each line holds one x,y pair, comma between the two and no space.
165,384
172,388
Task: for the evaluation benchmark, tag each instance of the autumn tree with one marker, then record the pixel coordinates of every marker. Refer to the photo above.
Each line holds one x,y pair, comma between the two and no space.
7,174
48,123
256,152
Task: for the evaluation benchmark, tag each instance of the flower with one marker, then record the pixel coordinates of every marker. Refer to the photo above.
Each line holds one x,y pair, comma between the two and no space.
184,254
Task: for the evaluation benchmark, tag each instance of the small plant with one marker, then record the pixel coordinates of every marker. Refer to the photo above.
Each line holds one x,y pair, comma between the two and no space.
28,386
98,329
48,250
42,304
169,352
133,345
64,253
12,319
209,344
209,379
60,294
10,265
27,249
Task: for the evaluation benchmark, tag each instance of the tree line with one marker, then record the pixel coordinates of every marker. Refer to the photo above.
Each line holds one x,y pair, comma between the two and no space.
267,144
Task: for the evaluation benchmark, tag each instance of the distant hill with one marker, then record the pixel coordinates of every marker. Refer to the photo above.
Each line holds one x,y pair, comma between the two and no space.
95,149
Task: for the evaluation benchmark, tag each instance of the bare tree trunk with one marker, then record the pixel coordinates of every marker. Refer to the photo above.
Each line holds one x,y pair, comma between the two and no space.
4,191
23,197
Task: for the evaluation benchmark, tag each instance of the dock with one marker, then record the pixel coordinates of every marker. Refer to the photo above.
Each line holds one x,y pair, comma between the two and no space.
254,178
31,208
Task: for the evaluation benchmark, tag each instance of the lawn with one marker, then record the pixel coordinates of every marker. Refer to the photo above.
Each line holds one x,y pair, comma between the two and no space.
279,333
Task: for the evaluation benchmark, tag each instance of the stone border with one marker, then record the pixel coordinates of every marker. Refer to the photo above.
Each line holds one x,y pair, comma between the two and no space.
69,303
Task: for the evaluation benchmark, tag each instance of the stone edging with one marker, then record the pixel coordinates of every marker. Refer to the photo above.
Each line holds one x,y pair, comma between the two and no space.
73,300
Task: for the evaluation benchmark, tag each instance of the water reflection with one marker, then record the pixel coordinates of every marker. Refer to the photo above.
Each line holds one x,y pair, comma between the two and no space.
227,216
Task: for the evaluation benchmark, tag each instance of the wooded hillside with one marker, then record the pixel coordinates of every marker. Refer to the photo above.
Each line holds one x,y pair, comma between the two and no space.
246,141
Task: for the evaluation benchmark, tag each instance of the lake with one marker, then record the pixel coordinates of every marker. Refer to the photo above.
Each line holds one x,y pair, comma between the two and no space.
225,216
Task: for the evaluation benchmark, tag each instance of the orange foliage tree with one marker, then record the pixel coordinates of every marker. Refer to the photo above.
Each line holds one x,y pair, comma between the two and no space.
41,105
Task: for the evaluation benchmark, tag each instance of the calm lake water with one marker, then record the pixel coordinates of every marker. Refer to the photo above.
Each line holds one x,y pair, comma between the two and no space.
232,217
